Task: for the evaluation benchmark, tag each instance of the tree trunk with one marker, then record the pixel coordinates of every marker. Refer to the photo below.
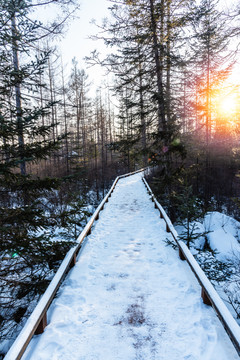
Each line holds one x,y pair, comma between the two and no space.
158,55
18,94
65,121
168,80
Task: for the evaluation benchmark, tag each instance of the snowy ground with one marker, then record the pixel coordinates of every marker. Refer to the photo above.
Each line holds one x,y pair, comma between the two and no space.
129,297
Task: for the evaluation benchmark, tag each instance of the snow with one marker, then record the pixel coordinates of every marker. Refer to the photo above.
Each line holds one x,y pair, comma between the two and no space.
223,235
129,296
224,244
215,220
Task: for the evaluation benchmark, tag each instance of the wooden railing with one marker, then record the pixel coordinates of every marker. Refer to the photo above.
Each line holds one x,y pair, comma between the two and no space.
208,293
38,319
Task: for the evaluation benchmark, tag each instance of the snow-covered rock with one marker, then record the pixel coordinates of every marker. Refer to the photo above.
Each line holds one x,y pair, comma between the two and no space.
215,220
224,243
223,235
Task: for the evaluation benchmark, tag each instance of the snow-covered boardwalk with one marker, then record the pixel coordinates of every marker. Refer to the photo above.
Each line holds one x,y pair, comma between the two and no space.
130,297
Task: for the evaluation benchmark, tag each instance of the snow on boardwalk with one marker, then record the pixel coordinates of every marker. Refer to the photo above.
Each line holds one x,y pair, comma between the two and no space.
130,297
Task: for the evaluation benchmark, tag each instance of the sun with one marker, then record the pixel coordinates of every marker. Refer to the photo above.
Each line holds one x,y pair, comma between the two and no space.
228,105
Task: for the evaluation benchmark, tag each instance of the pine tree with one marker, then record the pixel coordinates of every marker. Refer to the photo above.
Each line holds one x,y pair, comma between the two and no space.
27,252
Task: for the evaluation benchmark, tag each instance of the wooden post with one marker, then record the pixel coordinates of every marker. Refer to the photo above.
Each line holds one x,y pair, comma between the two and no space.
73,262
167,228
181,255
89,232
205,297
155,205
161,215
97,217
77,252
41,325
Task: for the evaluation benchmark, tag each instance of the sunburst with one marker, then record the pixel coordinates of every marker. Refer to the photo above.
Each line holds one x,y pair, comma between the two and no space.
228,105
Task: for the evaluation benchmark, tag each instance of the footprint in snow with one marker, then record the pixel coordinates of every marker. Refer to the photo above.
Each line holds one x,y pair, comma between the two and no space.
111,288
123,276
91,267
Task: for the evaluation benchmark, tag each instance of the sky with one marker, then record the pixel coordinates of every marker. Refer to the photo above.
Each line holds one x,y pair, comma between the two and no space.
76,42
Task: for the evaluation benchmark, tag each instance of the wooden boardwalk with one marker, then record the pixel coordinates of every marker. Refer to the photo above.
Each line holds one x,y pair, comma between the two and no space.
129,296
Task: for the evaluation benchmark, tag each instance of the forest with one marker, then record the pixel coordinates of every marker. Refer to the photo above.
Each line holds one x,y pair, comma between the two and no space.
173,105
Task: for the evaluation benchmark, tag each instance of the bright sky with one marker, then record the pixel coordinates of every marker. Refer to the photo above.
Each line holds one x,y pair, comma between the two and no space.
76,42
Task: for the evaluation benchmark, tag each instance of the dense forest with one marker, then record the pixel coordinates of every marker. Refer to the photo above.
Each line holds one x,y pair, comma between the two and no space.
176,109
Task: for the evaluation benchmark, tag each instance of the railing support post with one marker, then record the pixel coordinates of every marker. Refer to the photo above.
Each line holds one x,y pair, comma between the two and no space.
41,325
205,298
73,262
181,255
